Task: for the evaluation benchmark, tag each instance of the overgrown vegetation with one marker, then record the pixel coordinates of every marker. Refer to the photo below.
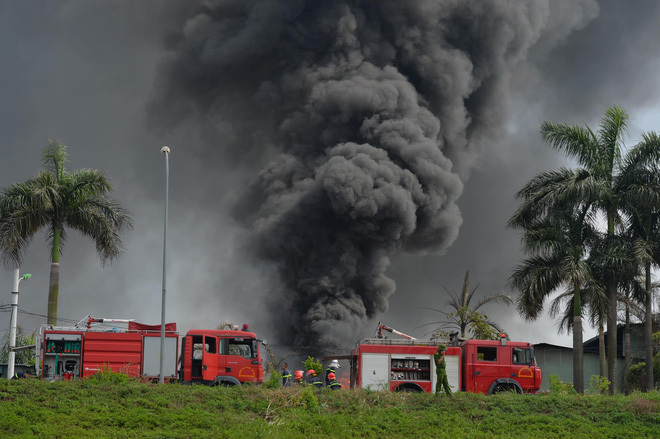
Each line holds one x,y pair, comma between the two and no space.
102,408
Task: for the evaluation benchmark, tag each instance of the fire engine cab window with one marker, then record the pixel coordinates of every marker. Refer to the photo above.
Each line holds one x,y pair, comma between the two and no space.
209,345
522,356
241,348
486,353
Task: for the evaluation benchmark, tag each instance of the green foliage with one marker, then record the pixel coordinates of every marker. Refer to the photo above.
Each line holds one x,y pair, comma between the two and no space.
635,373
558,387
274,380
481,328
309,399
55,200
656,342
311,363
22,357
107,375
90,409
598,385
465,316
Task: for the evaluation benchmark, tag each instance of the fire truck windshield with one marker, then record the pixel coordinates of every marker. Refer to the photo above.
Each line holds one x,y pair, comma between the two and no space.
244,348
522,356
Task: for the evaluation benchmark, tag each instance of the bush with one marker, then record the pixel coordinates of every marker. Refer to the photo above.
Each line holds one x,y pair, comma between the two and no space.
311,363
274,381
110,376
558,387
309,399
598,385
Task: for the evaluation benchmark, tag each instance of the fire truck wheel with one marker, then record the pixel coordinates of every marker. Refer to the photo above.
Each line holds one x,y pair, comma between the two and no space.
501,388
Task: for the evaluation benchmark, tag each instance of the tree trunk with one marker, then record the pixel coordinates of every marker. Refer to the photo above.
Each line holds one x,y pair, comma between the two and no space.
54,283
578,363
610,289
53,292
601,349
648,330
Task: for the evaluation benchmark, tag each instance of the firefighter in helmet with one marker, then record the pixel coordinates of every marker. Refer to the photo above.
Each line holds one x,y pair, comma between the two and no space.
441,371
332,368
313,379
334,384
298,378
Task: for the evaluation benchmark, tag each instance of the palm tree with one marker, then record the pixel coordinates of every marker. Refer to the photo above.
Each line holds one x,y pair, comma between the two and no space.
593,184
640,184
54,200
463,315
557,245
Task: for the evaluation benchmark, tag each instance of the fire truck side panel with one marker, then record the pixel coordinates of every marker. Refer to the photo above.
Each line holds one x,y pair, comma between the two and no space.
374,372
151,356
120,352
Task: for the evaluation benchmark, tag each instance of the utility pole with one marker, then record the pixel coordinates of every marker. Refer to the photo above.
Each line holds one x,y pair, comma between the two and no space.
161,377
12,325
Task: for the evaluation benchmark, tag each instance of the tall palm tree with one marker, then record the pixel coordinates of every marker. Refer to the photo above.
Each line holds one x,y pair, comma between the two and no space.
640,184
54,200
464,313
557,245
594,183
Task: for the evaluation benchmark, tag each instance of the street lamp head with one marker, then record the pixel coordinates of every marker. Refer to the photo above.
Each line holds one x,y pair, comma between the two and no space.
26,276
165,150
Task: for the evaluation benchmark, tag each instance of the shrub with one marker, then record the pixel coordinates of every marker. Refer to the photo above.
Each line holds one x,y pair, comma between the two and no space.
311,363
309,399
274,380
598,385
558,387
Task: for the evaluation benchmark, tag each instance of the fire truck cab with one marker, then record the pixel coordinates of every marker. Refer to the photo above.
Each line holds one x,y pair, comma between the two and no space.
227,357
491,366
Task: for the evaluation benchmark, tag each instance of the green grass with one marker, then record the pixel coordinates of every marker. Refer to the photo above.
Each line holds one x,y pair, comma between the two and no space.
34,408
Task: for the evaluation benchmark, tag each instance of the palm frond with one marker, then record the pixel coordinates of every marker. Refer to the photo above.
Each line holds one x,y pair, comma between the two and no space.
575,141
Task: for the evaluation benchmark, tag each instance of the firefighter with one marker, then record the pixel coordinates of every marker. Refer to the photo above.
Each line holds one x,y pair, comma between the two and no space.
313,379
441,371
286,375
332,368
298,378
334,384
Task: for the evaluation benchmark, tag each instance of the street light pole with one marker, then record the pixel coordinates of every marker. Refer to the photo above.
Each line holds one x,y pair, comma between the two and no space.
12,325
161,377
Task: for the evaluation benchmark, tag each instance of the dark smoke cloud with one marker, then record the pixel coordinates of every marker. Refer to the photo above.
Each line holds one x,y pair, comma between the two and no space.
363,117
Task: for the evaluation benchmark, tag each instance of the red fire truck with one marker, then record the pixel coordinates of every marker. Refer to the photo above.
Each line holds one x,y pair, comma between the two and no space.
478,366
208,356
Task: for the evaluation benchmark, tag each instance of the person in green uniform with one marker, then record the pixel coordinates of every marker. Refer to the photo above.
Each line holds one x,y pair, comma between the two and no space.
441,371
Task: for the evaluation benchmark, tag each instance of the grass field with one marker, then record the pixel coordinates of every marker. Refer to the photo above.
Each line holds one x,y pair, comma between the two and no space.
116,408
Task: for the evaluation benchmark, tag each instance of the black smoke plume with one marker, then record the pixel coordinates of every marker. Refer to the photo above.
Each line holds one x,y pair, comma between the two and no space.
363,117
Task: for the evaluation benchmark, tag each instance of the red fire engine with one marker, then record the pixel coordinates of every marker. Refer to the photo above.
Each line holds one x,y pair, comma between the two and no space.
478,366
207,356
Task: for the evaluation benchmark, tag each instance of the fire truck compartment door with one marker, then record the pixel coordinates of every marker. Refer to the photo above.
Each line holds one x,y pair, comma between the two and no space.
375,373
151,359
453,370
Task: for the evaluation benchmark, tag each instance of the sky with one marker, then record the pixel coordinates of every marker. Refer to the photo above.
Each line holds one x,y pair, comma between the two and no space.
278,116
